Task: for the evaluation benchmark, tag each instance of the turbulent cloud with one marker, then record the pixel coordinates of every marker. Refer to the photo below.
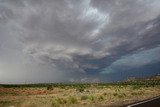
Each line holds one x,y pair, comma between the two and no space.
142,58
75,39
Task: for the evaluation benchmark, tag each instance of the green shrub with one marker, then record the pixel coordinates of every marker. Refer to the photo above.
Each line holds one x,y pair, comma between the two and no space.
84,97
50,88
73,100
135,87
61,101
100,98
5,102
92,98
80,89
115,94
120,96
58,101
55,104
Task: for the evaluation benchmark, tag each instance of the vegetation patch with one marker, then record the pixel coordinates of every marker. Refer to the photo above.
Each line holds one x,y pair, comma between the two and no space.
76,95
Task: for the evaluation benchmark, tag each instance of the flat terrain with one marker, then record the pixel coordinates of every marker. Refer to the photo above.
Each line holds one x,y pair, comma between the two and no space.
75,95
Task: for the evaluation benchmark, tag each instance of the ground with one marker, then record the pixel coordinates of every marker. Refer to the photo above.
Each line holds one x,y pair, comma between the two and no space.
79,95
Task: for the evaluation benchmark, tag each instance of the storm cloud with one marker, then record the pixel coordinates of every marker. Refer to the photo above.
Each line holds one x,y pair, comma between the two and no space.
71,40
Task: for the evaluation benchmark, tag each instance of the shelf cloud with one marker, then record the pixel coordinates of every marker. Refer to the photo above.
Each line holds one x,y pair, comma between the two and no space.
63,40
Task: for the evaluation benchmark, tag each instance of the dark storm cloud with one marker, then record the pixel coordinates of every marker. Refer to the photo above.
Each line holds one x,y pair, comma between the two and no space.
136,60
68,38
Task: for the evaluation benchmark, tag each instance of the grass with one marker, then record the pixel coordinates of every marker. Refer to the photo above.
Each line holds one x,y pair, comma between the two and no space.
55,104
101,98
5,102
73,100
137,93
85,97
64,95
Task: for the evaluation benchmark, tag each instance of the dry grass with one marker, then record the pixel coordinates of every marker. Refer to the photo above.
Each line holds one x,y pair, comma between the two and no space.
64,97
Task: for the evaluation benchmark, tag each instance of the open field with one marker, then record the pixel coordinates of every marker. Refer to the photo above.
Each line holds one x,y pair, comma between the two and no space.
77,95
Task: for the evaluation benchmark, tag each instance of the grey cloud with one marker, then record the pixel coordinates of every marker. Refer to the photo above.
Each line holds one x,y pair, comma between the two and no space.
142,58
127,12
67,37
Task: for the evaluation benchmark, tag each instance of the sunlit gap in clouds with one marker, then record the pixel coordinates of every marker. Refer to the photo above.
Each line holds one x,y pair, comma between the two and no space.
93,14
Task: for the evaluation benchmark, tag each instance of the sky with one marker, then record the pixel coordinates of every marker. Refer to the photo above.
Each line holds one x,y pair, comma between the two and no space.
45,41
